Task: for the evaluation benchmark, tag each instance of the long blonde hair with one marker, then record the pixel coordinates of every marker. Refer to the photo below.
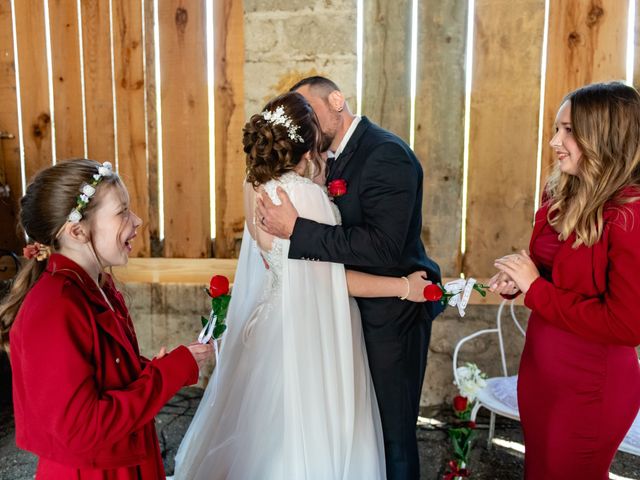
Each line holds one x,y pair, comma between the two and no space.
605,119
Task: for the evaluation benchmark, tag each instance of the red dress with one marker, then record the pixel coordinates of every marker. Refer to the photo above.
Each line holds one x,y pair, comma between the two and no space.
84,398
579,378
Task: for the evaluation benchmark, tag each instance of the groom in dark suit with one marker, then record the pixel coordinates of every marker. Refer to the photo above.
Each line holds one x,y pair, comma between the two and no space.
380,234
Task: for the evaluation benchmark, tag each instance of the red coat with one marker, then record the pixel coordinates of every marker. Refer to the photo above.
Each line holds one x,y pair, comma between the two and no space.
83,395
596,290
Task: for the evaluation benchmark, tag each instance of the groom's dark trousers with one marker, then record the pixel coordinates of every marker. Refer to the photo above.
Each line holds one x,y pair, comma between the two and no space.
380,234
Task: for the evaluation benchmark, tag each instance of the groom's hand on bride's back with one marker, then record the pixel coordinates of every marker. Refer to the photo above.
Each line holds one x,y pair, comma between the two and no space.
276,220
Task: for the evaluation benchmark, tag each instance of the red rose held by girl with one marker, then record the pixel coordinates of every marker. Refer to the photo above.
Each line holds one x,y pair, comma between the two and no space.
218,286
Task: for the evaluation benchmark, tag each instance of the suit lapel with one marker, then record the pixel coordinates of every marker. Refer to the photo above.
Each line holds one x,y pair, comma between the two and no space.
340,163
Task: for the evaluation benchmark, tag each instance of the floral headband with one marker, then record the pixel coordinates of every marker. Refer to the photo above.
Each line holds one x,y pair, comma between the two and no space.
278,117
88,190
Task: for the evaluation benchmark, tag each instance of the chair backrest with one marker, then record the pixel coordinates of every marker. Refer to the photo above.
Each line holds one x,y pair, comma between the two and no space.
497,330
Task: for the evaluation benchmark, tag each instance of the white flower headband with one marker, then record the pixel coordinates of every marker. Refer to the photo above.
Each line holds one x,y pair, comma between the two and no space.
88,190
278,117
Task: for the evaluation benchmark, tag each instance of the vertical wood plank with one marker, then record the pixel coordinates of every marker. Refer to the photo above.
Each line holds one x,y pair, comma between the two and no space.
386,92
129,80
439,134
34,87
185,127
96,42
587,44
229,119
505,104
67,82
152,127
10,173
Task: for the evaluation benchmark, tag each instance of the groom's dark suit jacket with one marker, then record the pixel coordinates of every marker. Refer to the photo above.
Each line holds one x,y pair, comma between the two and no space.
381,225
380,234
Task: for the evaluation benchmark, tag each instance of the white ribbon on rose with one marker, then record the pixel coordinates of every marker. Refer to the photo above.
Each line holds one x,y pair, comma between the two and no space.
207,333
460,291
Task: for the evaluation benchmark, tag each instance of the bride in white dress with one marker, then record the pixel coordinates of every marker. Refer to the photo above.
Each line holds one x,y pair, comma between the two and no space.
291,396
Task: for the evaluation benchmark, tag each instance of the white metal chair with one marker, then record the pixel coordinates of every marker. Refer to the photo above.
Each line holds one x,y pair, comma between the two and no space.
500,395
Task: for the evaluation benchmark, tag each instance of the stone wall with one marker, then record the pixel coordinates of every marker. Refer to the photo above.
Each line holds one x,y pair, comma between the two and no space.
168,314
286,40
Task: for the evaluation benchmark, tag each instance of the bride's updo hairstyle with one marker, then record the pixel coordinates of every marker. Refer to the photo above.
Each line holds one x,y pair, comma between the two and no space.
276,139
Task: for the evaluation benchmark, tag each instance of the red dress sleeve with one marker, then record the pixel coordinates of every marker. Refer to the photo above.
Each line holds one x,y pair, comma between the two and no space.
613,317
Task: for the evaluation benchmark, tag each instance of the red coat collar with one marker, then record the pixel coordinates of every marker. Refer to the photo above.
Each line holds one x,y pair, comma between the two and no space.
113,322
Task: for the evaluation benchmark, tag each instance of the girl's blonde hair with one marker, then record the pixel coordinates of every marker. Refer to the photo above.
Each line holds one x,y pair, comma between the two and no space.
605,120
44,208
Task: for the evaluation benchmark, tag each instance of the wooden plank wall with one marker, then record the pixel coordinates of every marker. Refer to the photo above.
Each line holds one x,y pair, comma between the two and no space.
66,77
185,136
587,43
229,94
10,173
114,42
503,141
440,96
106,101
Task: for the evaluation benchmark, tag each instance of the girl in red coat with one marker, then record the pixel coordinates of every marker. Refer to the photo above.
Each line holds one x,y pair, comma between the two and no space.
579,378
84,398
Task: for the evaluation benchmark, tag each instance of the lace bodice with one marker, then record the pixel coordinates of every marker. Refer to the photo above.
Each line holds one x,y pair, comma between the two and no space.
274,257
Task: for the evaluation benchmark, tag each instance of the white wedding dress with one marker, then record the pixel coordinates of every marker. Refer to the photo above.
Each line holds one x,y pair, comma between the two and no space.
291,397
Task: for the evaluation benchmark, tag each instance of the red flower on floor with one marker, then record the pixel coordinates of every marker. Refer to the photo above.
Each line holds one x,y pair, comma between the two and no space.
460,403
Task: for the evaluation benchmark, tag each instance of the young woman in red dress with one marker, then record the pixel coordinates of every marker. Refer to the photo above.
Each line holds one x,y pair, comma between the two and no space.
579,378
84,398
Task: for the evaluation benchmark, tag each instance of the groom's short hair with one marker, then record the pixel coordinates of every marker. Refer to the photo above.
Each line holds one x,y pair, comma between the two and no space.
323,86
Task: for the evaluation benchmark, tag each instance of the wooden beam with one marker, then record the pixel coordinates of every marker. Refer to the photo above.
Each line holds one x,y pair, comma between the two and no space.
387,64
198,271
98,80
153,224
587,44
129,81
185,128
10,171
67,81
503,142
439,131
34,86
229,120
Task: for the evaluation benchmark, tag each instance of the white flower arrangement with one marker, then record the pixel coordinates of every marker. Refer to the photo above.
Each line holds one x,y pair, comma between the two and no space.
470,380
75,216
278,117
88,190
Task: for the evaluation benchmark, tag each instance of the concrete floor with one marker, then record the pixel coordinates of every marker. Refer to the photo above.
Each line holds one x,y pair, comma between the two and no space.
501,462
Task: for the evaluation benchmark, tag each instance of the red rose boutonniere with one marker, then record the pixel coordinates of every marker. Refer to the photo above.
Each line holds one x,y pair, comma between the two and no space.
337,187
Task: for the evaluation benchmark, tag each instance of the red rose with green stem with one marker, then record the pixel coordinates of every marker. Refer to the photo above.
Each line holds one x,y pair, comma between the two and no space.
220,299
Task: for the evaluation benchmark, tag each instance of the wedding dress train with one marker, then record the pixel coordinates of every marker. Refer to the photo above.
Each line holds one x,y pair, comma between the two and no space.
291,397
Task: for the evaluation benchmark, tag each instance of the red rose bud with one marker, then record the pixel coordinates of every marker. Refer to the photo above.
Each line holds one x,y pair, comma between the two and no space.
218,286
432,292
471,424
459,402
337,187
